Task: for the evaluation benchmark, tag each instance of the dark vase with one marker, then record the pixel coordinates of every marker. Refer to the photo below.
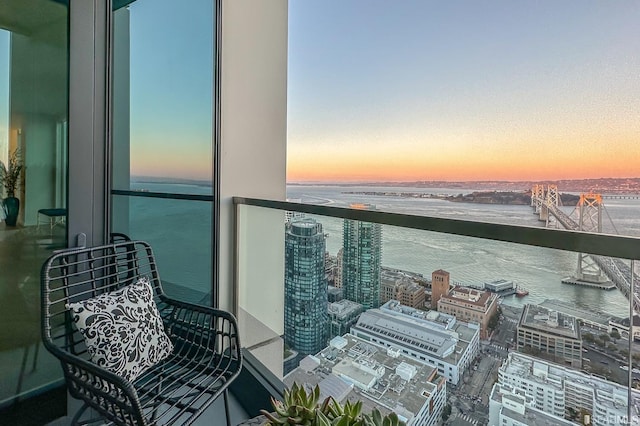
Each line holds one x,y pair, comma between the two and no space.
11,207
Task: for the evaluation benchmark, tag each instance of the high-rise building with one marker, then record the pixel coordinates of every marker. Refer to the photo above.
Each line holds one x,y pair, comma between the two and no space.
330,268
337,274
305,287
361,260
439,286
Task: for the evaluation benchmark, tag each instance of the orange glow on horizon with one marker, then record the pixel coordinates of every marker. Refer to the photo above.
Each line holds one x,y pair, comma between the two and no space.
478,164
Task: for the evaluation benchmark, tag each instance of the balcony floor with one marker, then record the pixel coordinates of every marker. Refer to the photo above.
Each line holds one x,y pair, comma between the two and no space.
213,416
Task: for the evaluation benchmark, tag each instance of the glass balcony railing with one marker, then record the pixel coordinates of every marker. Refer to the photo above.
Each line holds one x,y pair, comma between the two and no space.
438,317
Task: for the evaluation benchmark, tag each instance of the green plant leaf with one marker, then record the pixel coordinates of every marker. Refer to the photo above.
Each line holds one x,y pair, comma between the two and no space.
321,419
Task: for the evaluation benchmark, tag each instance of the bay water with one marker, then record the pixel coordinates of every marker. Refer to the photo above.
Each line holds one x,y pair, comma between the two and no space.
472,261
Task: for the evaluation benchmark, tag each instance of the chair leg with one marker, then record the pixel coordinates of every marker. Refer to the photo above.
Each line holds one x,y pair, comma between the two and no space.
226,407
22,368
35,357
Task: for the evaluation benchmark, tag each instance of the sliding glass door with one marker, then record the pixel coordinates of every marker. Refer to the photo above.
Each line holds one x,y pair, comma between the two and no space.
34,74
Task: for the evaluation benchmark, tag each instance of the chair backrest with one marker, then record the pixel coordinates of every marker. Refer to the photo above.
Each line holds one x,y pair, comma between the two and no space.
75,275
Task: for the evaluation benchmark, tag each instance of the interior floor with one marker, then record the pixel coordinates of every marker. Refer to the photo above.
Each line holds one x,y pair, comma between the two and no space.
24,364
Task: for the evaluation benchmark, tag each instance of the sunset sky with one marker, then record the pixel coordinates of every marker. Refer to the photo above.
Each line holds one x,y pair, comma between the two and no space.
383,90
463,90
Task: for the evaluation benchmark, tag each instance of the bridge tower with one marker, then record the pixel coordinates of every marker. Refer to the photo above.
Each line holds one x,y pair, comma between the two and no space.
537,197
589,210
552,200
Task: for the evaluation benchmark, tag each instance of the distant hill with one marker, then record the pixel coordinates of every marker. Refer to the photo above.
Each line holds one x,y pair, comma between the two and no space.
506,197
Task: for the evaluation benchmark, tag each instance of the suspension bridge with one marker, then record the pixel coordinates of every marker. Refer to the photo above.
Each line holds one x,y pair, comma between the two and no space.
594,271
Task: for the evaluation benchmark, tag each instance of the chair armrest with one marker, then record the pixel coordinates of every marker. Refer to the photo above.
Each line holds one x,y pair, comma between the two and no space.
192,327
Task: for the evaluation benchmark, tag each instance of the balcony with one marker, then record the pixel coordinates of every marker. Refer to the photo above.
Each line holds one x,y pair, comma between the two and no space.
260,300
533,255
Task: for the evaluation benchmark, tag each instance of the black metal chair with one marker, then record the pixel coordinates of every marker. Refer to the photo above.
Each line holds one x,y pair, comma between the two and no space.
206,357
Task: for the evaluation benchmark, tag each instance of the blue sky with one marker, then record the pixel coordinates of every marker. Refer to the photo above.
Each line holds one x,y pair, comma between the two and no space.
462,89
171,88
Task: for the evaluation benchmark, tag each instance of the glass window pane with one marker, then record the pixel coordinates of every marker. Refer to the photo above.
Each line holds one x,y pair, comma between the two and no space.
163,137
33,196
163,91
180,233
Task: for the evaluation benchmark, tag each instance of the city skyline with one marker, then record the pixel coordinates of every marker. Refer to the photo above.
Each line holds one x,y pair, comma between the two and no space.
460,91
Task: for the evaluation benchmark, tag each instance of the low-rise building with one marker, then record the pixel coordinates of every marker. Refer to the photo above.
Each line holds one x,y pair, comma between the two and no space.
334,294
498,286
436,339
342,315
354,369
566,392
557,335
470,305
440,286
622,327
401,286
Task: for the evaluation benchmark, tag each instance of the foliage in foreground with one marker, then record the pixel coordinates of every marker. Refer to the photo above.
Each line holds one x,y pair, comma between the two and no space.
302,408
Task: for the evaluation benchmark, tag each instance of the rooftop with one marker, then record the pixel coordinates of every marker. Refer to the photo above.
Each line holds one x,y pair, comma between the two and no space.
343,308
473,296
390,274
353,369
550,321
420,333
607,394
572,310
517,405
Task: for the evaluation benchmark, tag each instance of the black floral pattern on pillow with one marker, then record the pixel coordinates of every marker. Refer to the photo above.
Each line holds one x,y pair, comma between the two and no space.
123,330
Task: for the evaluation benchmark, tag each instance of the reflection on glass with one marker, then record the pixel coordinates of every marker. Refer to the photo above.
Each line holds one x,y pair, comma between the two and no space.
162,137
33,137
163,91
179,232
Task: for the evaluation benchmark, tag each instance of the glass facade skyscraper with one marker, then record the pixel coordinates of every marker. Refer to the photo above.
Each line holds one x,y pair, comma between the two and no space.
361,259
305,309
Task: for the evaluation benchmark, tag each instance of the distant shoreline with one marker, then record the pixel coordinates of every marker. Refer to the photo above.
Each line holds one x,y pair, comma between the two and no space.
601,185
522,198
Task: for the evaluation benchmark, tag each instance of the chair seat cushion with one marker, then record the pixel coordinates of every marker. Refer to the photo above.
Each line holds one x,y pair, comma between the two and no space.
123,330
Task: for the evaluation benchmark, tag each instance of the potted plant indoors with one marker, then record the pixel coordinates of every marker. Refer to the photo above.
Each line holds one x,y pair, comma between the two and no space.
9,177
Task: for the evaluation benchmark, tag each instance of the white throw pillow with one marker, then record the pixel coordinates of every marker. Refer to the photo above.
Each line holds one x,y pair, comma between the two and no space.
123,330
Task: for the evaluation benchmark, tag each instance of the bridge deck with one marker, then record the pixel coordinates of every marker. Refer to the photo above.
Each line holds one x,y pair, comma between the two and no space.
616,270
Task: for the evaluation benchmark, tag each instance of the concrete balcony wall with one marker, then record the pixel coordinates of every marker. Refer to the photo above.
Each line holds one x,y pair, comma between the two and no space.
253,121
